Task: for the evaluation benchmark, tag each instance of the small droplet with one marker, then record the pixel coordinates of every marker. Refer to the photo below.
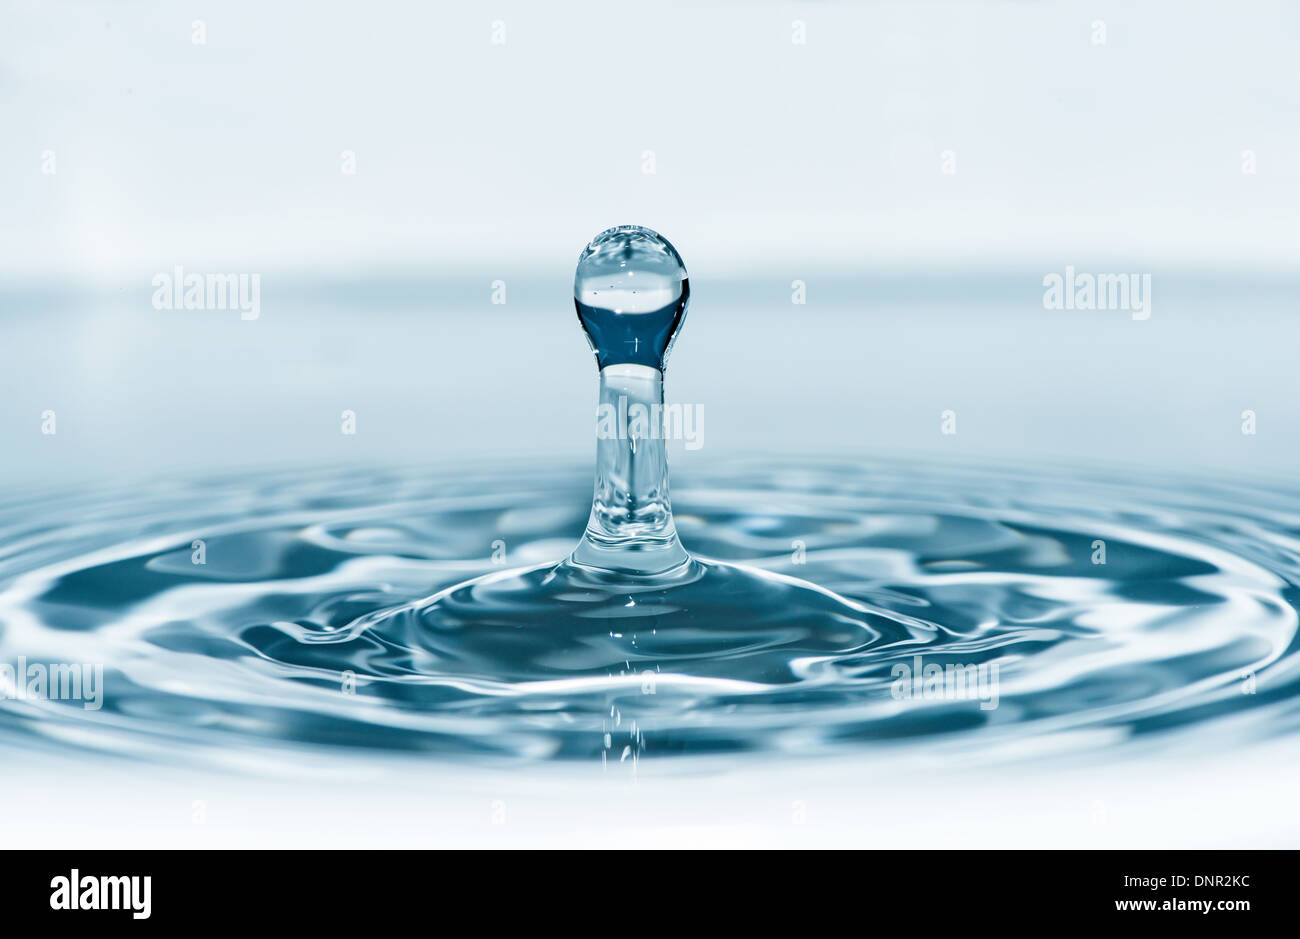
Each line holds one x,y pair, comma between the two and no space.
625,326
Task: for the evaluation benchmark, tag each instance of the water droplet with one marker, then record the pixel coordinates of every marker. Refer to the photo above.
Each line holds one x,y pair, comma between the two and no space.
626,326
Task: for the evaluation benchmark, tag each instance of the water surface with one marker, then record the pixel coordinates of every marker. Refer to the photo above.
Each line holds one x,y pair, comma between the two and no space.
307,624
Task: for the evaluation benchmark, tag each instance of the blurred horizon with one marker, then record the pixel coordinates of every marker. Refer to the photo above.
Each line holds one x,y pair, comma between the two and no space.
868,197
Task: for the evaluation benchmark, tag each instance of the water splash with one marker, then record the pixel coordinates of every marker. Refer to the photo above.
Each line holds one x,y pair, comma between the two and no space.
829,605
310,623
631,291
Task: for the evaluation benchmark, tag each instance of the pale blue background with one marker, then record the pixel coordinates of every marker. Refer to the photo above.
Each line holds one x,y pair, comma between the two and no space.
774,161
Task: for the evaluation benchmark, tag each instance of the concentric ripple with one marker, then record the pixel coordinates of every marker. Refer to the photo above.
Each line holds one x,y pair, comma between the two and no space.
321,609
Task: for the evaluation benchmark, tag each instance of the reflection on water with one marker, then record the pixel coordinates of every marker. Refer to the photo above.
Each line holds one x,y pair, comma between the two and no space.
984,605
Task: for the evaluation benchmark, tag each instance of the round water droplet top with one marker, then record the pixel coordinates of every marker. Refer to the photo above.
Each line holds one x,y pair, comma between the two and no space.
631,292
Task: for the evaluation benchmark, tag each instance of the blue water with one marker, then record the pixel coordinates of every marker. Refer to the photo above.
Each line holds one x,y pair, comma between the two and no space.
315,619
500,612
